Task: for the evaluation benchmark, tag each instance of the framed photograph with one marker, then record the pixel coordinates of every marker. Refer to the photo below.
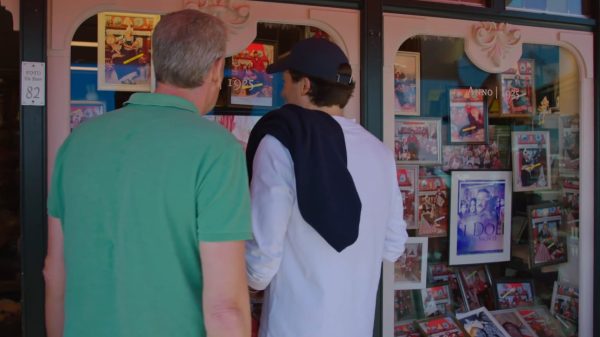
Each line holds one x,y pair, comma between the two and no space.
406,305
441,326
418,140
517,88
410,270
568,132
82,111
468,116
565,301
492,156
239,125
436,300
406,329
570,204
432,197
476,286
541,321
513,293
125,51
531,160
547,239
513,323
407,83
438,272
407,181
480,216
249,84
480,322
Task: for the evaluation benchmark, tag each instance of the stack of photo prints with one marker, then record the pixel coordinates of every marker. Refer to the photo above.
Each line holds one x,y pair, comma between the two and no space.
491,203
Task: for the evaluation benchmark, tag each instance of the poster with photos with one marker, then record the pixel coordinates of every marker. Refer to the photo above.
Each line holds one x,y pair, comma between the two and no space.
492,156
125,51
468,116
476,286
82,111
410,270
406,83
565,301
547,240
541,321
514,293
517,89
417,140
480,217
513,323
569,144
432,197
441,326
407,181
531,160
436,300
480,322
250,85
406,305
406,329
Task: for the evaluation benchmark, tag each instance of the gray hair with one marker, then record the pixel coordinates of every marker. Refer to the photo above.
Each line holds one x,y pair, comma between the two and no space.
185,44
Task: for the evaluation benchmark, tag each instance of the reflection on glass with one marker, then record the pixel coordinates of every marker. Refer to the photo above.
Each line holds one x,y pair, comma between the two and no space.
532,112
561,7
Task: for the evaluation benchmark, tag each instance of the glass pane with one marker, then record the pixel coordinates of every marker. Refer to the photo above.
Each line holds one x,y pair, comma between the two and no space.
476,3
561,7
497,170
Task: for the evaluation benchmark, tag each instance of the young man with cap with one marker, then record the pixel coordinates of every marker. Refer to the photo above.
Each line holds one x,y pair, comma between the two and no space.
326,207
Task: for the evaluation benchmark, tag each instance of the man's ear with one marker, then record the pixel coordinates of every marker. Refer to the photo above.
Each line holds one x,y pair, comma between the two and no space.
216,71
305,85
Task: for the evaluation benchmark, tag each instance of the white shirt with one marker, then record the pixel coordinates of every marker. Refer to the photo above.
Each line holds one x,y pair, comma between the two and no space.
314,291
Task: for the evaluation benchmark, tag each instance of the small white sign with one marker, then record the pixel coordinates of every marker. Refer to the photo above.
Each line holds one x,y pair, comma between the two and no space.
33,83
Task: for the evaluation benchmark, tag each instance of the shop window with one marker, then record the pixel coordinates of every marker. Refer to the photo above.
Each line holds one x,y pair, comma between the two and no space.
561,7
476,3
488,165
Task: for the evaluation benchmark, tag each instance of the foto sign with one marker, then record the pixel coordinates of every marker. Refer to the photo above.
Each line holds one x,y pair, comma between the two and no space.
33,83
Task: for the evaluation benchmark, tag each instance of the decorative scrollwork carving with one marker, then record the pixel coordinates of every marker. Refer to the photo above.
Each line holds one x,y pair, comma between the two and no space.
234,13
496,39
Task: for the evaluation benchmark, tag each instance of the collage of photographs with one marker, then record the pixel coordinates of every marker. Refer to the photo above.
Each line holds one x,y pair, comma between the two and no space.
469,177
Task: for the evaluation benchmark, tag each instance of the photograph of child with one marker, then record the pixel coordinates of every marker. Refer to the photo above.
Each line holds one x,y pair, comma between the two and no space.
476,286
565,301
513,323
531,160
417,141
514,294
547,241
250,84
468,118
480,323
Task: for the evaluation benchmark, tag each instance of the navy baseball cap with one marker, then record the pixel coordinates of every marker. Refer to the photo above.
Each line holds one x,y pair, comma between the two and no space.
314,57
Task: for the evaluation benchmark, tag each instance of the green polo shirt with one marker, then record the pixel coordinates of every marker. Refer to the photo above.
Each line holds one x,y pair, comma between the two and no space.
136,190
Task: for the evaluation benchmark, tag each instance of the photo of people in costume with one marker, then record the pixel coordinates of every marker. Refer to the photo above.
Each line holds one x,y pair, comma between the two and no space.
417,141
249,83
565,301
518,92
513,294
476,286
433,207
468,116
407,182
531,160
547,238
492,156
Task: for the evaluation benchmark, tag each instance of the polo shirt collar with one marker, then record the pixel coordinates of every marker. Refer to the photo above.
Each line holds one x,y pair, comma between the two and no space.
162,100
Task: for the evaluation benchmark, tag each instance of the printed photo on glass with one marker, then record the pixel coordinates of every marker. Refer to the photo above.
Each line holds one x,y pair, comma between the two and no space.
476,286
468,116
444,326
82,111
407,181
518,89
418,140
410,270
514,293
480,322
565,301
125,51
531,160
436,300
432,197
547,239
406,83
492,156
480,216
513,323
249,84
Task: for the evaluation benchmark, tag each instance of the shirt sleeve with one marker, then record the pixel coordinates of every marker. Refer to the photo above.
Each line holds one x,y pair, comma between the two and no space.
396,234
222,198
273,196
55,201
